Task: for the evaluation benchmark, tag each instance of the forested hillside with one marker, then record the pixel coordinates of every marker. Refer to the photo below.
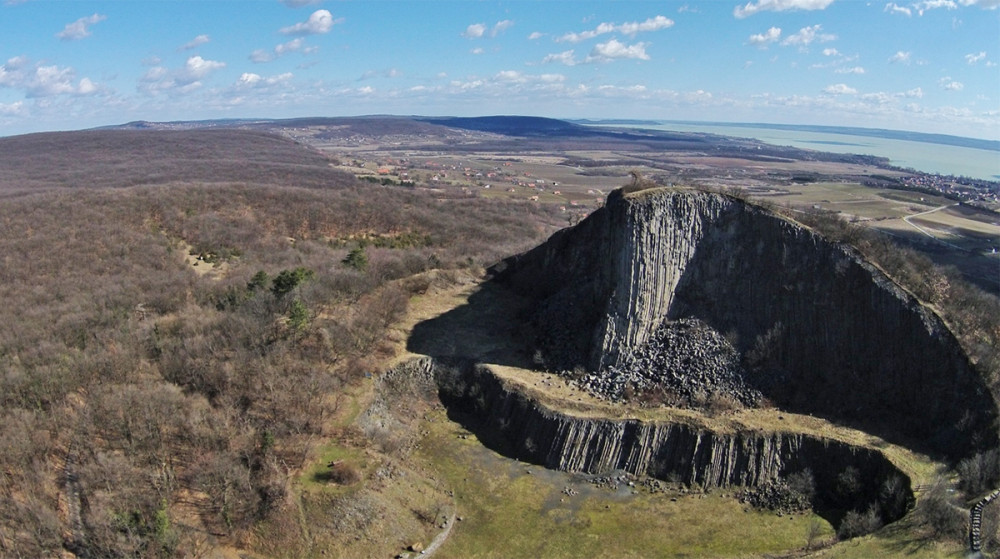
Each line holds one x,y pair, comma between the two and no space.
182,309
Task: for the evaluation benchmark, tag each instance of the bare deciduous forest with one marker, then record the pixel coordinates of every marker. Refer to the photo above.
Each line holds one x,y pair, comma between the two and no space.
136,386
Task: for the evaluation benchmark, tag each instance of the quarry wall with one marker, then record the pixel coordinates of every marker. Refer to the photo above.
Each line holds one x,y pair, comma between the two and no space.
514,424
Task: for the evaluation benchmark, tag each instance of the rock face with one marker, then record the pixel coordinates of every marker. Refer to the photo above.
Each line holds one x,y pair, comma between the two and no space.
514,424
818,329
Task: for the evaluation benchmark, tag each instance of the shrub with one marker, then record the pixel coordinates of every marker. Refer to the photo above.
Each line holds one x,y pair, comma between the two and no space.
940,514
856,524
298,315
803,483
287,280
343,472
356,259
979,473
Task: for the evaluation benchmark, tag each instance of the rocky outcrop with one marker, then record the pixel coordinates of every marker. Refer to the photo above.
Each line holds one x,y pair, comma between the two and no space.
514,424
819,330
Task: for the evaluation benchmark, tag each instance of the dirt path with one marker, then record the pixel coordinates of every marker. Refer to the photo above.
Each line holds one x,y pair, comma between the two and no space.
439,540
926,232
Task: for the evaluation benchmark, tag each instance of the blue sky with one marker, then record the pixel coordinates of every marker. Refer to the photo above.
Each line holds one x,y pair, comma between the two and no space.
927,66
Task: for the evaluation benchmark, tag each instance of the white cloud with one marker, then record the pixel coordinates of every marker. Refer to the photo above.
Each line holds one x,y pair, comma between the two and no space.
80,29
197,67
477,51
501,26
295,45
840,89
615,50
183,80
926,5
633,90
854,70
474,31
766,38
894,8
807,36
984,4
974,58
508,82
878,98
321,21
915,93
249,80
902,57
779,6
510,76
260,56
12,109
652,24
535,36
830,52
566,57
631,29
196,42
951,85
43,81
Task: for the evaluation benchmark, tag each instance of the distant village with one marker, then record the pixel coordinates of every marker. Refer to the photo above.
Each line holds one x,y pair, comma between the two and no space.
964,189
506,175
503,175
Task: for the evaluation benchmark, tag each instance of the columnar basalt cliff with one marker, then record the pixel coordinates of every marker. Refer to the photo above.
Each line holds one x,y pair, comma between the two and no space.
513,423
820,330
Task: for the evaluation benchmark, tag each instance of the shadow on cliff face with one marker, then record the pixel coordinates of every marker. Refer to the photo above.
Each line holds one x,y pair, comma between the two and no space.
822,332
487,329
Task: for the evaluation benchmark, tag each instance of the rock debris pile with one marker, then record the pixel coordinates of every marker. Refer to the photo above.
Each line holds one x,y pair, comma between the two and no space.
776,495
685,362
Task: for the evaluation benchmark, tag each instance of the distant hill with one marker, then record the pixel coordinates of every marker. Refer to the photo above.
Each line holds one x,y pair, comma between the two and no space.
147,154
515,125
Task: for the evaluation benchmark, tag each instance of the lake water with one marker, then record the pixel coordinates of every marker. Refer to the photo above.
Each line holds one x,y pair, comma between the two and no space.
930,158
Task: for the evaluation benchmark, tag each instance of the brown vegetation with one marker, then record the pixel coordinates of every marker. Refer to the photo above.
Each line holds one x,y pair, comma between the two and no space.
133,389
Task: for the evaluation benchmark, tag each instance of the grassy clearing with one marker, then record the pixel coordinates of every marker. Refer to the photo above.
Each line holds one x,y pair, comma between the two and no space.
900,540
508,512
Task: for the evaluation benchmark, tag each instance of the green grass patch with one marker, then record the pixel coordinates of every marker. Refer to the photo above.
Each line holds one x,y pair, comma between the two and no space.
316,476
508,512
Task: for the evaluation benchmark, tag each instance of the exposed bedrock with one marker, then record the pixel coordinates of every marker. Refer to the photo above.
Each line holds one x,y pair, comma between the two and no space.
514,424
819,329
